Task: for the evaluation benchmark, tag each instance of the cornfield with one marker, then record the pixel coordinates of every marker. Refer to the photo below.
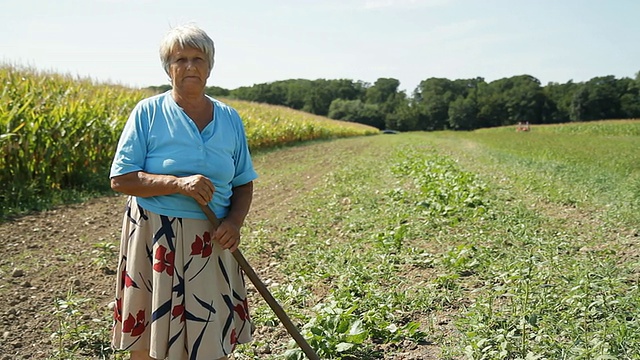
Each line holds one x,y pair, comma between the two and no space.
59,132
269,126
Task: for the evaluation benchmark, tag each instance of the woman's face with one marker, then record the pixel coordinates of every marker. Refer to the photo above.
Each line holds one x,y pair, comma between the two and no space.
188,69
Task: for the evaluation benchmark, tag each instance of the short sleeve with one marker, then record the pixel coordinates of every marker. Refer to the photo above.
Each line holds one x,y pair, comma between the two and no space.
132,147
244,172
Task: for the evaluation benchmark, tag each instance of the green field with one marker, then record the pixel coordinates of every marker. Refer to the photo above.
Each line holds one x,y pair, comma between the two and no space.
527,242
447,245
491,244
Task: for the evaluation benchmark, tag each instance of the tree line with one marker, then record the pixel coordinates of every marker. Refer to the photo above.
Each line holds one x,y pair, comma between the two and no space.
440,103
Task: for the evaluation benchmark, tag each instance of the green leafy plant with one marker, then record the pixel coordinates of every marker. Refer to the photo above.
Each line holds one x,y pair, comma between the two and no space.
334,332
104,255
77,334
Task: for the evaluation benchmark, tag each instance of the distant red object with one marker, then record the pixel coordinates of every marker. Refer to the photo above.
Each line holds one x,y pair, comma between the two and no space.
523,127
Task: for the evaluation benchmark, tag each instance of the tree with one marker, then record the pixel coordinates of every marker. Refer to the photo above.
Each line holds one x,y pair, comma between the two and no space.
491,107
384,93
318,98
382,90
398,115
372,115
432,98
404,118
347,110
557,108
578,104
519,98
297,92
463,114
248,93
347,89
357,111
630,99
597,99
439,103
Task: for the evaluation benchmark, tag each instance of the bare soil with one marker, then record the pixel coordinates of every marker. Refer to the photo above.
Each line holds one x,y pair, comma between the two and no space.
45,256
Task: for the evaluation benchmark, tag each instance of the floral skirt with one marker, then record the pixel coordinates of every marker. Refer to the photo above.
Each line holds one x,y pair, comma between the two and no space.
178,293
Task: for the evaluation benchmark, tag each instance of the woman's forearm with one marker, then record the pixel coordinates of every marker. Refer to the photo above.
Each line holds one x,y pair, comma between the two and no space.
240,203
143,184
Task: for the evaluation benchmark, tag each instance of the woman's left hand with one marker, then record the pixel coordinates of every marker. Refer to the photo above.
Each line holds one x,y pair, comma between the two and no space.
228,235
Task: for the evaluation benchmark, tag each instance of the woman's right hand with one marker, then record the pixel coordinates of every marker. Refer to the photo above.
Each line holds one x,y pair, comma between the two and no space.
198,187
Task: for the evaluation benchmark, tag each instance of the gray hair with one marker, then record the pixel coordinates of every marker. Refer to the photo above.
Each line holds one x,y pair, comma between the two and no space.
184,36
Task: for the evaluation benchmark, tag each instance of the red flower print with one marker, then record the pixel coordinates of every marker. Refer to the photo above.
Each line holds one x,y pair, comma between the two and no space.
165,260
127,280
178,310
233,339
136,325
117,310
123,274
202,246
242,310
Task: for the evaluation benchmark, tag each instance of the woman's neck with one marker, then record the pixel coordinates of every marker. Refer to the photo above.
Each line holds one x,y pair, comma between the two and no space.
198,108
190,101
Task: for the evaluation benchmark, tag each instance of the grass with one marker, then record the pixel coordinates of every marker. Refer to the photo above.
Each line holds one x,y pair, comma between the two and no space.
596,171
522,241
567,292
329,254
480,245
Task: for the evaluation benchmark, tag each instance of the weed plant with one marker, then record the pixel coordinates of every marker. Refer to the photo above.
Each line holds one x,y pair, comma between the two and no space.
490,227
77,336
514,238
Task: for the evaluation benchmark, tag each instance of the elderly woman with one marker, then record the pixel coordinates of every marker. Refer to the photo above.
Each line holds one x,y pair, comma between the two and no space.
180,293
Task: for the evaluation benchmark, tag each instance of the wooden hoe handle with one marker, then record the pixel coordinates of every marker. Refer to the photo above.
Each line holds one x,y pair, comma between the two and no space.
262,289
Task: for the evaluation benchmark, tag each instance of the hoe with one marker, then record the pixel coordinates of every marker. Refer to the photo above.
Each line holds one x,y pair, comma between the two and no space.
262,289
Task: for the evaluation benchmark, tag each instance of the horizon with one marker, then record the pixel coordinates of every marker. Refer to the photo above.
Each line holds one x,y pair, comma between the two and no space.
107,82
116,41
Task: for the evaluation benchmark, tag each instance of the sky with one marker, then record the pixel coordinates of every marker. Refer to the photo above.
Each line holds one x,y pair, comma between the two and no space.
116,41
